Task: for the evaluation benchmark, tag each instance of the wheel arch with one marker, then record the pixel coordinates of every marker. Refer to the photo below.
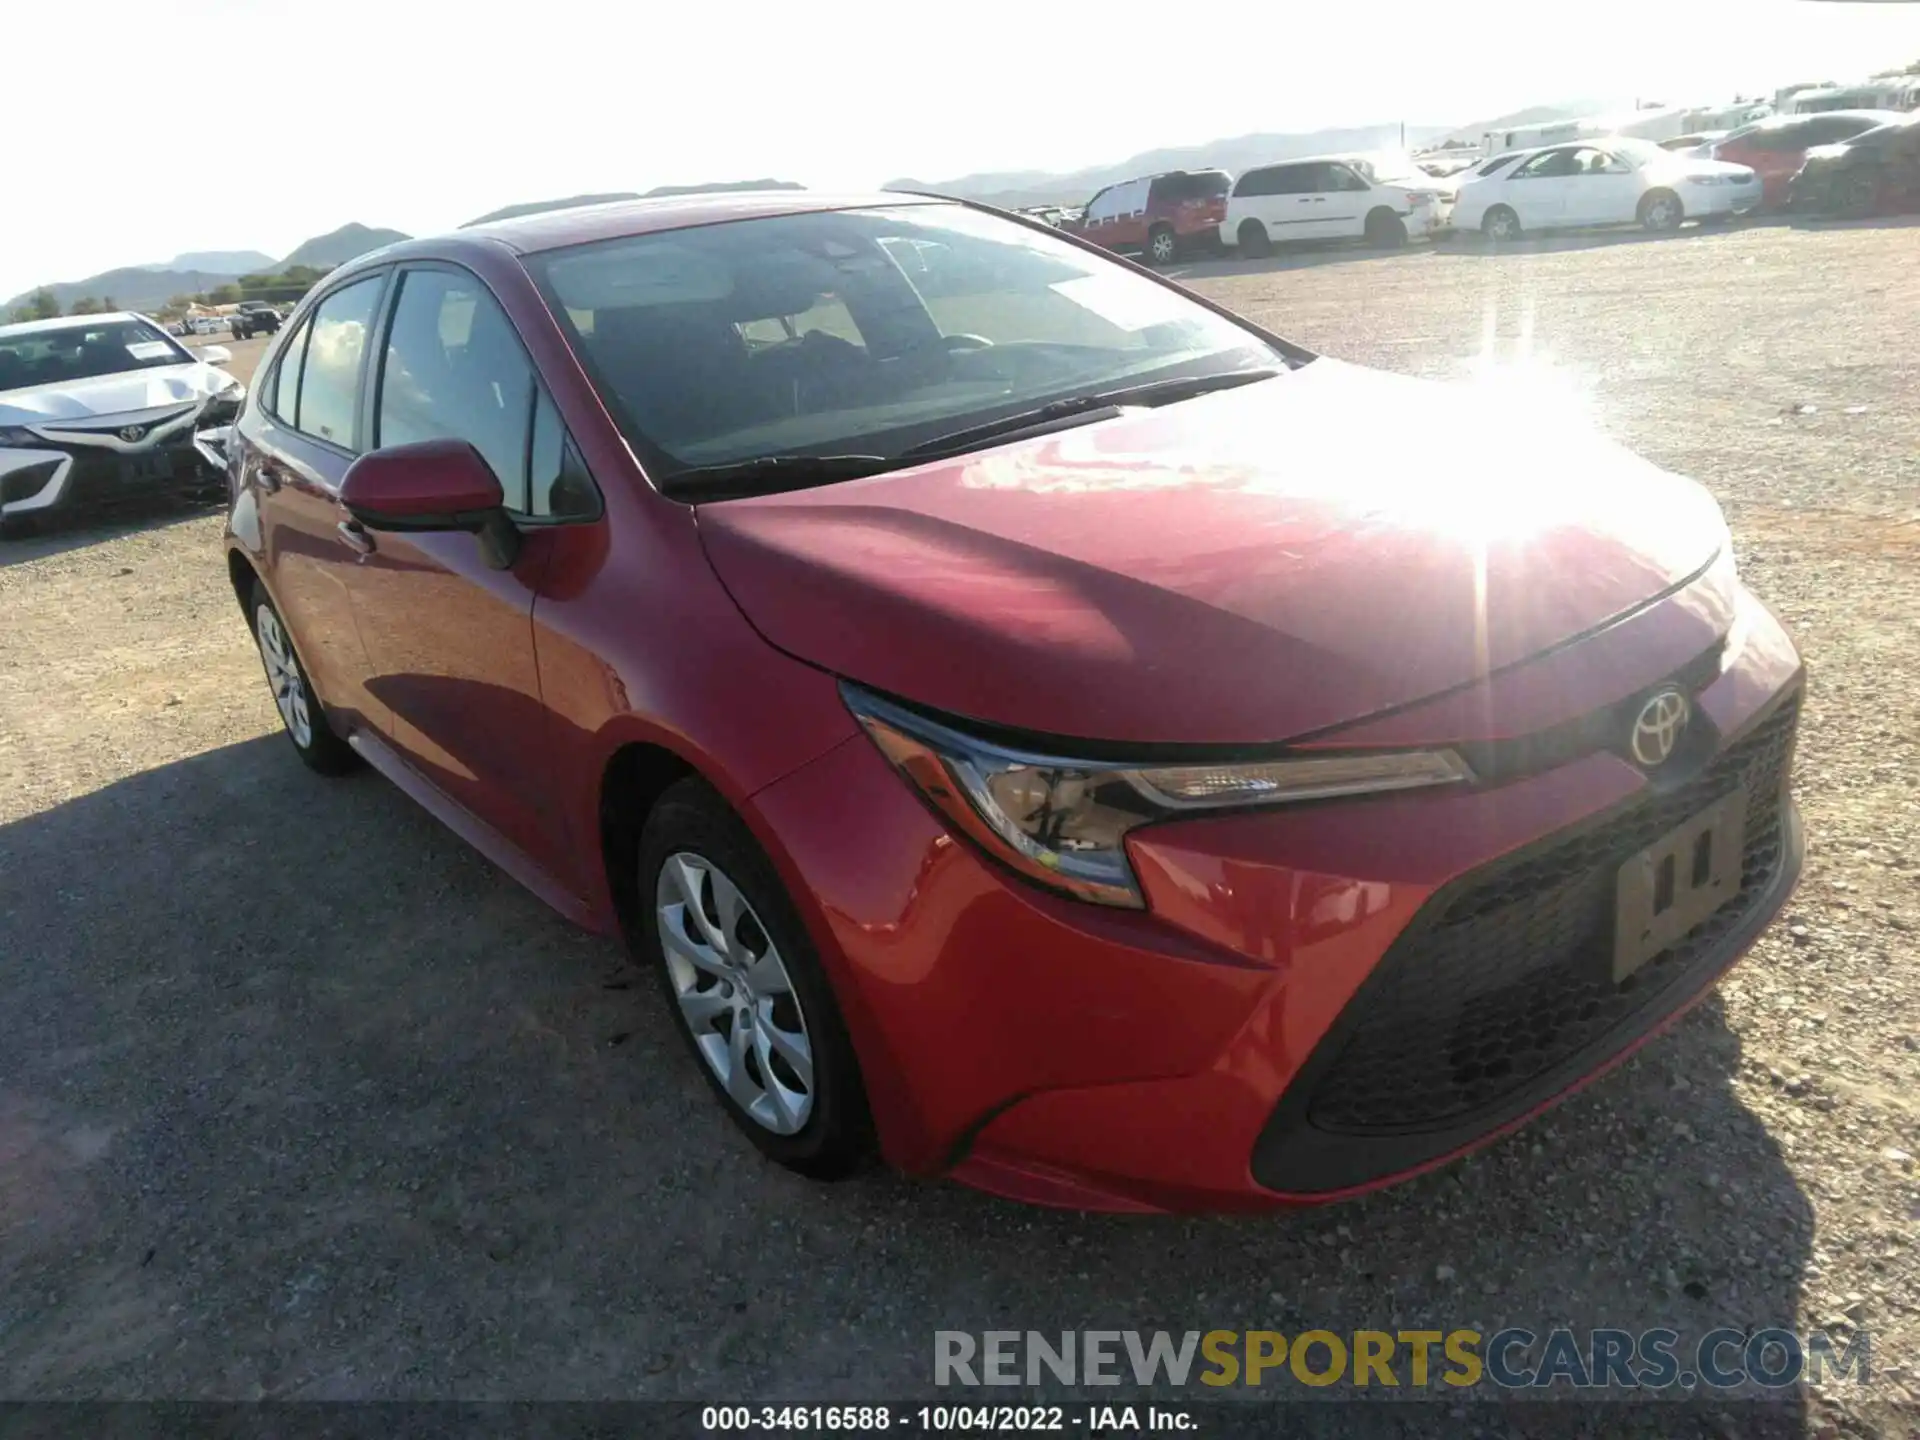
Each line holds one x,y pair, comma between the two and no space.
1646,200
632,780
242,576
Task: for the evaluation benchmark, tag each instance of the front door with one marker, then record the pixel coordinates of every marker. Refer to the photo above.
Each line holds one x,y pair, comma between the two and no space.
448,637
1601,190
1538,190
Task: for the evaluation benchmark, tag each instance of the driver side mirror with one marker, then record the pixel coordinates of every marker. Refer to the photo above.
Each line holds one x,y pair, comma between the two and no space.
215,355
432,485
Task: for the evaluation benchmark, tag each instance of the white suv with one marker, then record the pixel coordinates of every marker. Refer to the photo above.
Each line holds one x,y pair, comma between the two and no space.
1382,199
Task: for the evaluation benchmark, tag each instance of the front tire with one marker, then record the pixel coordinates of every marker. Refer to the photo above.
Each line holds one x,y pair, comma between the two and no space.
747,991
1254,240
1661,212
301,716
1163,246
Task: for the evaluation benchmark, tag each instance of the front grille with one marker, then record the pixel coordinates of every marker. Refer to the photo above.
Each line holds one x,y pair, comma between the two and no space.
1512,975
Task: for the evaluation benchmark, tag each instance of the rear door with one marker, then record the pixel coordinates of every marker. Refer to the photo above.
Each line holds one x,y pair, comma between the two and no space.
294,451
450,639
1293,205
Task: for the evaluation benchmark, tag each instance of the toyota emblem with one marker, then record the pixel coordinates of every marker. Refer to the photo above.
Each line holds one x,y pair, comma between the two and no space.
1658,727
133,433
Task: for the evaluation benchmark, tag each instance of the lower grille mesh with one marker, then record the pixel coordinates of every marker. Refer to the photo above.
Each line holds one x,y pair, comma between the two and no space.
1514,974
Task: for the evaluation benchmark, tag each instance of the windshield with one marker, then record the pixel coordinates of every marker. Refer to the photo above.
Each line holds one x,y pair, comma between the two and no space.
1390,167
1636,153
81,352
864,331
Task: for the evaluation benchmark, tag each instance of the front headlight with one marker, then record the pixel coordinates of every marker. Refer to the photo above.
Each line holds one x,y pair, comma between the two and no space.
18,435
1063,822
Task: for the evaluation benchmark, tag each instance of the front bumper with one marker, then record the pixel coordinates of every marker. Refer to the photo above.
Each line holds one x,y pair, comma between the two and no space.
86,467
1722,199
1282,1025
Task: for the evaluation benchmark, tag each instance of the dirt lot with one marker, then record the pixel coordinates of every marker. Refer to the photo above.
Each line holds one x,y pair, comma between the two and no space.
300,1098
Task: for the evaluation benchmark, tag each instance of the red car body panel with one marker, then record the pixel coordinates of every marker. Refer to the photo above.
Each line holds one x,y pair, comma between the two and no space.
1188,574
1777,167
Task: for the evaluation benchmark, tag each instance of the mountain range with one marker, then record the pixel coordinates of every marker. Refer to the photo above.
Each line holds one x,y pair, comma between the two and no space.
148,287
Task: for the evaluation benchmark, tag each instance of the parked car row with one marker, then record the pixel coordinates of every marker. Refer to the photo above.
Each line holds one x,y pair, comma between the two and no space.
1384,198
1615,180
252,317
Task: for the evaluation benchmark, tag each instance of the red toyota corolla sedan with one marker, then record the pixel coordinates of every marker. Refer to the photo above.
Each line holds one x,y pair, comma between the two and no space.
1025,718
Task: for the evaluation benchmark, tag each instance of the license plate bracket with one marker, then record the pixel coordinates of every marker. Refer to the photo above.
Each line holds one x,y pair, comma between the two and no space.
1670,887
144,469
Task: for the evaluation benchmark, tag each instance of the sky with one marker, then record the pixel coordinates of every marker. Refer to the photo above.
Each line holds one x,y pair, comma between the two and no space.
254,124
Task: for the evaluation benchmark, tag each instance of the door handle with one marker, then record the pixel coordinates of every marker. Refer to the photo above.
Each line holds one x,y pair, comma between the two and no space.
355,536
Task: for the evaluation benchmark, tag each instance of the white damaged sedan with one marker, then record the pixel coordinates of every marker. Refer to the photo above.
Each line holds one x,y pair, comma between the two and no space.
1613,180
101,407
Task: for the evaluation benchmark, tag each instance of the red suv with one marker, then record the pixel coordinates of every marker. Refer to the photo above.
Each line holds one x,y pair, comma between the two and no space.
989,690
1776,147
1159,216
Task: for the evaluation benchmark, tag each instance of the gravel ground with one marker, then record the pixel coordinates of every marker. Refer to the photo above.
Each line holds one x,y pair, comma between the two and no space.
300,1098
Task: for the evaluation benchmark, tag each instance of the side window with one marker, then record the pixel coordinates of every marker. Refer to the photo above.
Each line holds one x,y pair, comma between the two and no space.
1290,180
1342,177
1101,206
1546,165
454,370
330,379
1831,132
283,398
558,483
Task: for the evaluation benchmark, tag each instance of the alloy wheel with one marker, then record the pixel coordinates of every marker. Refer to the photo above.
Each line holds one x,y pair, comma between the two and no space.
283,674
1661,214
734,991
1163,246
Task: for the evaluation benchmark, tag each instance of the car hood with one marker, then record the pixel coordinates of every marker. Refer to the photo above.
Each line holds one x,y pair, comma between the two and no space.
1241,568
132,390
1679,167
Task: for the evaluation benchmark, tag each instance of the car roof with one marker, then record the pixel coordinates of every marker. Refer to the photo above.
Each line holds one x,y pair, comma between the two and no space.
581,224
1775,122
67,322
1344,156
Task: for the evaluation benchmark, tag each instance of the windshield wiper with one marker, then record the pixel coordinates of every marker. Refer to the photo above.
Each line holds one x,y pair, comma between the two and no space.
769,474
1086,408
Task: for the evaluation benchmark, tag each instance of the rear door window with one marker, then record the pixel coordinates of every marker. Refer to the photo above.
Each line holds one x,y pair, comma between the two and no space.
1255,183
330,378
283,394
